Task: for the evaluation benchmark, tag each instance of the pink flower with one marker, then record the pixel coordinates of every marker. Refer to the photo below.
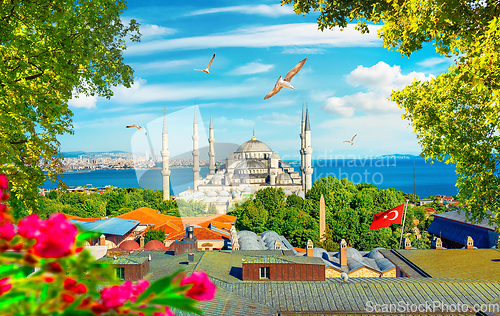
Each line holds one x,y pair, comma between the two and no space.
4,184
56,237
4,285
115,296
137,289
168,312
203,289
29,227
7,231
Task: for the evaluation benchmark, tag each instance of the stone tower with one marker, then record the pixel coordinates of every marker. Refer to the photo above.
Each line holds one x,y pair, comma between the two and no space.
196,152
165,153
308,151
211,153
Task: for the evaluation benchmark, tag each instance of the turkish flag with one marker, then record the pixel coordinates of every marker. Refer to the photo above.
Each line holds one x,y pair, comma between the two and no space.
387,218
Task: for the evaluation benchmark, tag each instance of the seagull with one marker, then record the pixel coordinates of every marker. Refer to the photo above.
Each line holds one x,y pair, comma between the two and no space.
208,66
350,141
139,128
285,83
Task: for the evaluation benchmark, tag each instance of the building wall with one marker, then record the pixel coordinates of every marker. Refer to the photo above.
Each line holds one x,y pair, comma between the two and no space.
134,272
389,274
217,244
364,273
332,273
285,271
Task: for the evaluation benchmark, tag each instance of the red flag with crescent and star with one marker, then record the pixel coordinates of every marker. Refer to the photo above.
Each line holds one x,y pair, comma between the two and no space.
387,218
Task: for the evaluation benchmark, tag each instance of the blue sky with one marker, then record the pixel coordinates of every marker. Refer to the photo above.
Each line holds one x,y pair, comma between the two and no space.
346,81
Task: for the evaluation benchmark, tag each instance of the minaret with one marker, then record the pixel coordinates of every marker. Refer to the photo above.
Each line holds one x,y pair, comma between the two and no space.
196,152
302,152
308,151
165,153
211,153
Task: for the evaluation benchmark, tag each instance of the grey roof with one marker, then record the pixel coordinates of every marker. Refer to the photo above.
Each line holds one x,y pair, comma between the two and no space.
284,176
375,254
461,217
112,226
308,126
253,145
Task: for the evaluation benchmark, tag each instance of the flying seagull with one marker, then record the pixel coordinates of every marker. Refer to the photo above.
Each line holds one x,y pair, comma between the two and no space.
208,66
138,127
285,83
350,141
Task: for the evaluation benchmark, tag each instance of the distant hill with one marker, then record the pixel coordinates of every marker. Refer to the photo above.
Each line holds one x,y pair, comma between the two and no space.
75,154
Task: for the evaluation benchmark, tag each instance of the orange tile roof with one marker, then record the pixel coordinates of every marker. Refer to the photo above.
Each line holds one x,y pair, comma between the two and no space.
147,216
299,249
201,233
220,225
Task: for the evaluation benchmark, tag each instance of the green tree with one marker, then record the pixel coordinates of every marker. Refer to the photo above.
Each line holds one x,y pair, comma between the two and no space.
50,50
154,234
52,195
115,200
456,116
211,210
169,207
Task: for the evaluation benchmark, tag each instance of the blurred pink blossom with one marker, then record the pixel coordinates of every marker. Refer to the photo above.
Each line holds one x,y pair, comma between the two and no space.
203,289
7,231
115,296
4,285
4,184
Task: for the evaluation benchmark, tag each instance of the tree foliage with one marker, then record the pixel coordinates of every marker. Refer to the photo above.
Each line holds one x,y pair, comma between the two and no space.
456,116
50,50
153,234
349,211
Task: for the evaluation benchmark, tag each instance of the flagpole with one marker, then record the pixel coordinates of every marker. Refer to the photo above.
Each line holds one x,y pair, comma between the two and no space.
403,227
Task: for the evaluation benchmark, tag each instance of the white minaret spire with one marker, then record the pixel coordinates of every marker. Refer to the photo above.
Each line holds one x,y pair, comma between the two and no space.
302,152
196,152
308,151
165,153
211,153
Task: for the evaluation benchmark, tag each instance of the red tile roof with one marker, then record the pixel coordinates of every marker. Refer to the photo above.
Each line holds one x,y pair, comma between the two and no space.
201,233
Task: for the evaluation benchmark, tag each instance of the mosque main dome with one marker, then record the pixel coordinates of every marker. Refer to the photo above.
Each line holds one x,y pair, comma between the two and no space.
253,145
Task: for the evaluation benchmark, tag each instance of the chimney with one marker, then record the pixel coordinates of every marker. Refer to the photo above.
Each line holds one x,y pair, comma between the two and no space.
498,243
141,241
149,258
469,242
189,232
407,243
102,240
322,221
343,252
436,243
309,250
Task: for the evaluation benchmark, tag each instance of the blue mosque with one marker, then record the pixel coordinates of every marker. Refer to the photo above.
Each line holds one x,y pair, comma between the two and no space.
253,166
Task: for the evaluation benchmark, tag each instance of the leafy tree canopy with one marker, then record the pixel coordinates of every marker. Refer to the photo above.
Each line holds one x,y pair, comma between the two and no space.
153,234
49,51
456,116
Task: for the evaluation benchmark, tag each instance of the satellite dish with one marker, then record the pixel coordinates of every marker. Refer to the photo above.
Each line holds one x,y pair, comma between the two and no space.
344,276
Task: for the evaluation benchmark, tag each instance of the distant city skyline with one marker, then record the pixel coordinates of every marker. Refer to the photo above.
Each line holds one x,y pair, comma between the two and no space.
345,81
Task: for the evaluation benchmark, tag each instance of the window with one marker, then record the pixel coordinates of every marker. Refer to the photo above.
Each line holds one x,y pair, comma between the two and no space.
120,273
265,272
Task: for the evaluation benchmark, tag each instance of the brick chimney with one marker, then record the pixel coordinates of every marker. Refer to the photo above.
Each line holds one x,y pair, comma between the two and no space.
407,243
469,242
277,245
309,250
343,252
141,241
436,243
102,240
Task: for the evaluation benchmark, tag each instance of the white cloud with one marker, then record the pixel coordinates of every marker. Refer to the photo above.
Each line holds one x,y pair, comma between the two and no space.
380,80
83,101
223,121
303,51
162,64
433,61
296,34
382,77
274,10
141,92
251,68
152,30
279,119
